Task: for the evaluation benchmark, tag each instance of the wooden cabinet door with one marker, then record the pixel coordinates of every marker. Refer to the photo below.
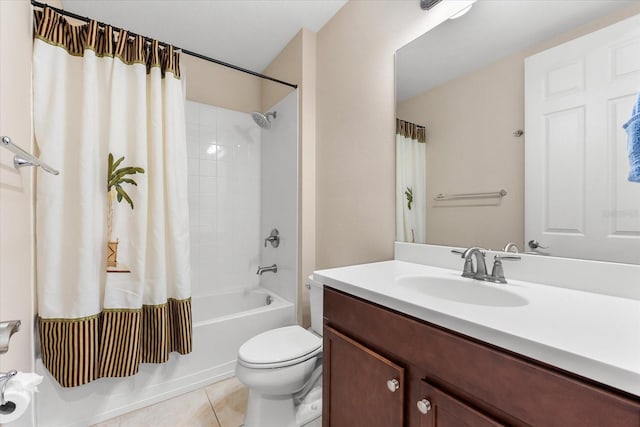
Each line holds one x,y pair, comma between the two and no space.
444,410
356,392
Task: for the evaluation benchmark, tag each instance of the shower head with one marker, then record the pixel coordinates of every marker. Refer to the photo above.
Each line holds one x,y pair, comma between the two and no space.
263,120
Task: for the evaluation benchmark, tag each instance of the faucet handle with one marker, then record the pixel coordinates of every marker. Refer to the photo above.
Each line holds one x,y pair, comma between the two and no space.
497,272
507,258
467,271
464,252
273,238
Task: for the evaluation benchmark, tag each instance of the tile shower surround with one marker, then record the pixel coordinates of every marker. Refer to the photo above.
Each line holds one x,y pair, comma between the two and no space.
223,149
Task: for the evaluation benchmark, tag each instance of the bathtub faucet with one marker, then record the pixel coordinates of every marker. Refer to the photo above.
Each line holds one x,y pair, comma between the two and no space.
273,268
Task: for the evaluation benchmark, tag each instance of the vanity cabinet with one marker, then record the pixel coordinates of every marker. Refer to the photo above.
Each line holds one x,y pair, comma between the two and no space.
441,409
458,380
361,388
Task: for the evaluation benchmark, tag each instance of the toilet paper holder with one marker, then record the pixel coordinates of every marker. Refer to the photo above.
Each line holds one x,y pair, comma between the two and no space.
5,377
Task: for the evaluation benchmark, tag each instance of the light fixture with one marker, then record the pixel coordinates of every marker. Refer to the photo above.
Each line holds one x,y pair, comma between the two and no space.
461,13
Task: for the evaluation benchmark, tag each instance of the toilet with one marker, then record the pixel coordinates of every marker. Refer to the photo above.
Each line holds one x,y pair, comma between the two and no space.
283,370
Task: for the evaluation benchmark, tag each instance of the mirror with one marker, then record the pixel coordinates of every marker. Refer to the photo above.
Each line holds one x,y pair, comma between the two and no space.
500,167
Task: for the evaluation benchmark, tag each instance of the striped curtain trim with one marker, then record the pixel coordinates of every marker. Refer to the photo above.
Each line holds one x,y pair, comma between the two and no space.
52,28
411,130
114,342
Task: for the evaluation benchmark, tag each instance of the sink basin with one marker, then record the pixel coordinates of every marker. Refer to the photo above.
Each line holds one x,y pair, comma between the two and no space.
466,291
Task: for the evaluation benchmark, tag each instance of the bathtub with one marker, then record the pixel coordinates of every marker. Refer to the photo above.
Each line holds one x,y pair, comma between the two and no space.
229,305
221,323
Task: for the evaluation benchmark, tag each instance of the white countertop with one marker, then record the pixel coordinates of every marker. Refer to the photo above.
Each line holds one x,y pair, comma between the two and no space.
593,335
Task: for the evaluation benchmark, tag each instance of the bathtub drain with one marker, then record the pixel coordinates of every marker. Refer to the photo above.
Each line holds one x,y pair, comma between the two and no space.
269,299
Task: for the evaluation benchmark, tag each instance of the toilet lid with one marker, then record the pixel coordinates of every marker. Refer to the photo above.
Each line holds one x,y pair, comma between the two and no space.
279,345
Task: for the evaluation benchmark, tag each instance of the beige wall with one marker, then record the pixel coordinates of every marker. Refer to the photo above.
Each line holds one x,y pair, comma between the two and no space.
224,87
307,172
470,147
297,64
355,212
287,66
16,186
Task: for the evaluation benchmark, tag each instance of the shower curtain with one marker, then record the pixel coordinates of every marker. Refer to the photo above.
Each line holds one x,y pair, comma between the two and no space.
97,91
411,191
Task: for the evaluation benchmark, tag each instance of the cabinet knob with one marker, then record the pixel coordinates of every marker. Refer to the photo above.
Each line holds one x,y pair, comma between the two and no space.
424,406
393,385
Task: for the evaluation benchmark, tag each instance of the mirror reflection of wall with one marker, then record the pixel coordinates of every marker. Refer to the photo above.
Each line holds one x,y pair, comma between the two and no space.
464,81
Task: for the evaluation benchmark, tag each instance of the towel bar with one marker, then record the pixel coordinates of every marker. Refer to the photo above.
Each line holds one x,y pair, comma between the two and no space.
22,158
6,330
499,194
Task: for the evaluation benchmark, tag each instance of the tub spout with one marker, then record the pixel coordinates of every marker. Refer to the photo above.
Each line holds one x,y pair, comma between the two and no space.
273,268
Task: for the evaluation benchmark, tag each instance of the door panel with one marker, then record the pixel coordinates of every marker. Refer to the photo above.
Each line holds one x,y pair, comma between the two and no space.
355,391
578,95
565,175
444,410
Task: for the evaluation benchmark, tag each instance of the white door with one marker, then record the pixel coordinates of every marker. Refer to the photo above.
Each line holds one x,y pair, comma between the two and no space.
578,95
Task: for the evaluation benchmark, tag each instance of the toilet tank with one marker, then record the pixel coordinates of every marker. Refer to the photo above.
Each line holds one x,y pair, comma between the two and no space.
315,301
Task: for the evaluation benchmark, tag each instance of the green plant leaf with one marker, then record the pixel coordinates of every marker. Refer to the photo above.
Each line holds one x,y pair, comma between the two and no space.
124,194
110,163
129,181
117,163
409,195
117,177
109,170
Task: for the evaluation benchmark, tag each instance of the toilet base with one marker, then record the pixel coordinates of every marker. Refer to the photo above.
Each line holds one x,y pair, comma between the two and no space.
280,411
270,411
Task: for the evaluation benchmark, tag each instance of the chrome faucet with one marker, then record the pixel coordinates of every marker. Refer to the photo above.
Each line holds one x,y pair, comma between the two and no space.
273,268
480,271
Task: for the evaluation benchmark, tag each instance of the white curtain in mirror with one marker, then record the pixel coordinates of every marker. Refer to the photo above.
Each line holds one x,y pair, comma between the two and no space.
411,189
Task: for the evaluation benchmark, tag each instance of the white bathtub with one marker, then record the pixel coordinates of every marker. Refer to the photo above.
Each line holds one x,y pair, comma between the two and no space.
221,323
230,305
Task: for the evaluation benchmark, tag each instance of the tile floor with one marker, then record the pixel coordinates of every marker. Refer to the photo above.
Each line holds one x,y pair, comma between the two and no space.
219,405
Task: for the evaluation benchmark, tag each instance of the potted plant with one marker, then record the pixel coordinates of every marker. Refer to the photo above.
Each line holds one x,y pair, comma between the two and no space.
116,178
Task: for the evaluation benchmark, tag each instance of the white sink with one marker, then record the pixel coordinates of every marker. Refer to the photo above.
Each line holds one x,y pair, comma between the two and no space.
466,291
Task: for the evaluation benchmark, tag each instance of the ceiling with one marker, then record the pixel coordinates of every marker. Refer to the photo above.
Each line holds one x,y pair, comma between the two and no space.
246,33
491,30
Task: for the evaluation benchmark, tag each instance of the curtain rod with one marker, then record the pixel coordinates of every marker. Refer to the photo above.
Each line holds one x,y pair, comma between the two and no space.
185,51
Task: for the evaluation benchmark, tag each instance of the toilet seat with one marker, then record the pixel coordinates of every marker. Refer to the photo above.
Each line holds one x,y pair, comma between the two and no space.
280,347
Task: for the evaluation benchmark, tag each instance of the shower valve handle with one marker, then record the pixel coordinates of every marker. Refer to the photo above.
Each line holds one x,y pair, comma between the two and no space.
274,238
